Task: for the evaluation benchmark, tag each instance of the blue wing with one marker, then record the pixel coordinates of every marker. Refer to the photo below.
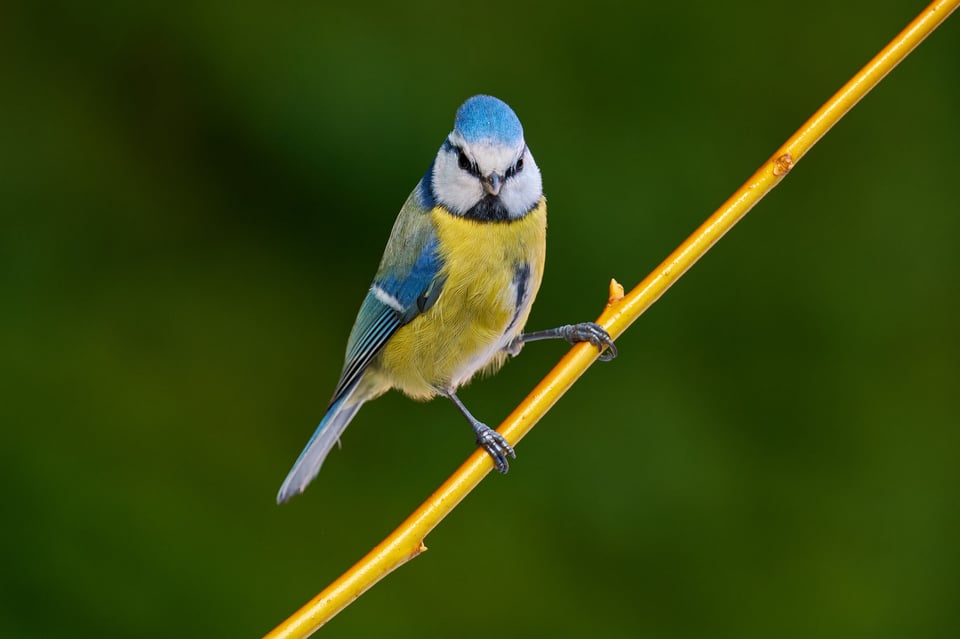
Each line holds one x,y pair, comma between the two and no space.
407,284
395,298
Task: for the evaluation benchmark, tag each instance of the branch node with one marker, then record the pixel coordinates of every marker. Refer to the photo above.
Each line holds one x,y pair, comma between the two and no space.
782,164
616,292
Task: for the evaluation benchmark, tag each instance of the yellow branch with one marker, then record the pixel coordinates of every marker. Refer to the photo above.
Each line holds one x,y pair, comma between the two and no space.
406,542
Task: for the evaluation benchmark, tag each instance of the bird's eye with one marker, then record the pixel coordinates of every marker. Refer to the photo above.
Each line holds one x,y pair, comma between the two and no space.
464,161
516,168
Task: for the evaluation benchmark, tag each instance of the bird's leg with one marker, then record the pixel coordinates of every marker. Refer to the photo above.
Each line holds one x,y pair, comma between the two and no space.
491,441
573,333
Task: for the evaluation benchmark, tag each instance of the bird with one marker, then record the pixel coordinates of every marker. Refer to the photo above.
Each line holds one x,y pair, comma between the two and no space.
455,286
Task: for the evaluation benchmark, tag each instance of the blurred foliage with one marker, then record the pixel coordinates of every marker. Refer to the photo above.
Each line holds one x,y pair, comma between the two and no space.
194,199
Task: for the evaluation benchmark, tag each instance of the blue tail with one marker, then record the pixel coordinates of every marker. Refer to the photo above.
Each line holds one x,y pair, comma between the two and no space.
327,434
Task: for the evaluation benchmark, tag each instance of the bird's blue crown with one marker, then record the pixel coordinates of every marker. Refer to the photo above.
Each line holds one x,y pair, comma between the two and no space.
484,118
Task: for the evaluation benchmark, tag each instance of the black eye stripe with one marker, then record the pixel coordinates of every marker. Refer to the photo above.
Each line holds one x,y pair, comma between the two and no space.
464,163
516,168
470,167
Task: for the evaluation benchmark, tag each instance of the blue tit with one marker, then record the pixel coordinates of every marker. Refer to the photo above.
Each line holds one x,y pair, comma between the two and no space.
458,277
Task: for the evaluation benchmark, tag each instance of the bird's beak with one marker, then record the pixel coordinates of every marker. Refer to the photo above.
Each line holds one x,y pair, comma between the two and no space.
492,184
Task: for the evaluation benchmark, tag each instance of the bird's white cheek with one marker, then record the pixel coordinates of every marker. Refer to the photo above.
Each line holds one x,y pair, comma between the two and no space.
468,191
522,193
457,189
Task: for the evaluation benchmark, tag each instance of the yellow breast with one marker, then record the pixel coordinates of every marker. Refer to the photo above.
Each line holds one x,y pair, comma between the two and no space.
480,309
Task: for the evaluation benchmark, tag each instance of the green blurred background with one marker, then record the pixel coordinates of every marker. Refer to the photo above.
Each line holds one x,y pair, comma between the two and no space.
194,200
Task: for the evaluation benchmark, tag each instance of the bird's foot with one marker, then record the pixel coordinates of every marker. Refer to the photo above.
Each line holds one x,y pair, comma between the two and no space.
495,444
593,333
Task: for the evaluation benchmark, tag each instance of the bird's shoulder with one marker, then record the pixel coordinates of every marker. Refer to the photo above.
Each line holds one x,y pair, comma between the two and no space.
411,258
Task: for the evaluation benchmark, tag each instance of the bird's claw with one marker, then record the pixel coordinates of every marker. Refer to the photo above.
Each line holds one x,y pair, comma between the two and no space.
593,333
497,447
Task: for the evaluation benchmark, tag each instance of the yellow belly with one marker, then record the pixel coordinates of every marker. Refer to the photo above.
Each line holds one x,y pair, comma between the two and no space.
476,315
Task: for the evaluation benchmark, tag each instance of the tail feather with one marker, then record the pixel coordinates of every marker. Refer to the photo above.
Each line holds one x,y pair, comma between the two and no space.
323,439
